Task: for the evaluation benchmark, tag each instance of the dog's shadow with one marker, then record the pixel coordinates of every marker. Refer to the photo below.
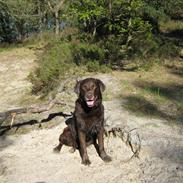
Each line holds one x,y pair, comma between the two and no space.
5,128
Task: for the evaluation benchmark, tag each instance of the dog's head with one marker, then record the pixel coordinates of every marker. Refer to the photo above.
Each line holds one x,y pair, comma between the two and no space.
90,90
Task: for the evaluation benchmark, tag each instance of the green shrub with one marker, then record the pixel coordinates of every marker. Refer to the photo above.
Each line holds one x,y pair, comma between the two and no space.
113,49
55,63
83,52
167,49
94,66
171,25
147,65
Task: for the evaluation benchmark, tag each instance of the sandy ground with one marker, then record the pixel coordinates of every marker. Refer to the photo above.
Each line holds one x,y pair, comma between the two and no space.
15,67
29,158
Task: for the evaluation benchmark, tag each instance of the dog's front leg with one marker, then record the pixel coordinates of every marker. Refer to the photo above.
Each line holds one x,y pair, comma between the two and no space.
101,149
82,148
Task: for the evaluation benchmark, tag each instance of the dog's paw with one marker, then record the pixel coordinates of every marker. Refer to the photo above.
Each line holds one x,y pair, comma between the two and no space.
86,162
106,158
72,150
56,150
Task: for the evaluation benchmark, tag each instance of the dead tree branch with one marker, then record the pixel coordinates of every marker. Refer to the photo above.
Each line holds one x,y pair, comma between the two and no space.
130,137
33,109
39,108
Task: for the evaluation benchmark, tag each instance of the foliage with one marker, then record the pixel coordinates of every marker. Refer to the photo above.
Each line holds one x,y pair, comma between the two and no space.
56,63
83,52
62,58
7,27
124,28
101,18
20,18
108,32
162,8
172,25
105,17
94,66
119,25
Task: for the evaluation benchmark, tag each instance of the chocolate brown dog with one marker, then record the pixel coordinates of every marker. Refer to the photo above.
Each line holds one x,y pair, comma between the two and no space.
87,124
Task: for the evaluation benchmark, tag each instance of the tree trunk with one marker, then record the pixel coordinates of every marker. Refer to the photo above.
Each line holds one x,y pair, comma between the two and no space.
110,7
94,28
57,23
40,17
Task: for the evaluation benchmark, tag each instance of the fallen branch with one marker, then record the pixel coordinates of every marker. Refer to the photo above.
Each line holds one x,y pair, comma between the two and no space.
33,109
40,108
130,137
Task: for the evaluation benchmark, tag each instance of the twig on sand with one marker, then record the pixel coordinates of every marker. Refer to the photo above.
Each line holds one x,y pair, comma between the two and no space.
130,137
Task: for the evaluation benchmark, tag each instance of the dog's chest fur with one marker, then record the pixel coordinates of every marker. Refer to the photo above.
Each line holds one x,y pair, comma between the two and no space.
90,121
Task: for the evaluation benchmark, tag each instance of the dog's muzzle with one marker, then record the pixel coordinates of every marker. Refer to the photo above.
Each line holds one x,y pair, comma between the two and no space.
90,102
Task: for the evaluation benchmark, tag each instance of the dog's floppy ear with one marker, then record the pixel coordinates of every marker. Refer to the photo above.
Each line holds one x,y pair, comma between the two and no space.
101,85
77,87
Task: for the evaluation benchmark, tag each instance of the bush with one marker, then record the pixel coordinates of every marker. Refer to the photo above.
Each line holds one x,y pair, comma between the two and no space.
94,66
167,49
60,59
55,63
83,52
113,49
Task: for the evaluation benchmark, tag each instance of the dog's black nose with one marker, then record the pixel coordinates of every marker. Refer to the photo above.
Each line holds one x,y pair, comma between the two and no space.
89,96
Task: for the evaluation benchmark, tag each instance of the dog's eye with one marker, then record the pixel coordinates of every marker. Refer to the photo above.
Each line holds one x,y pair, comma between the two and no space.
84,87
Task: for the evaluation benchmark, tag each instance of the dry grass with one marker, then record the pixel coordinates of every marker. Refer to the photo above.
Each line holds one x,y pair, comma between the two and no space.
171,25
156,93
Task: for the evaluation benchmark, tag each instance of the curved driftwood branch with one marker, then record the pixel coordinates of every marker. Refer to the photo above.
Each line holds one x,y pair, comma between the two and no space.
33,109
38,108
130,137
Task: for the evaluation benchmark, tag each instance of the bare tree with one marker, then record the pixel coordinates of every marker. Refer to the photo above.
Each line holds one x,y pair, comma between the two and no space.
55,6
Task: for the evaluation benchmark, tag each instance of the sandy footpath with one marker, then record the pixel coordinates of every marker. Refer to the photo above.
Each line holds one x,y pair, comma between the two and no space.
15,67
